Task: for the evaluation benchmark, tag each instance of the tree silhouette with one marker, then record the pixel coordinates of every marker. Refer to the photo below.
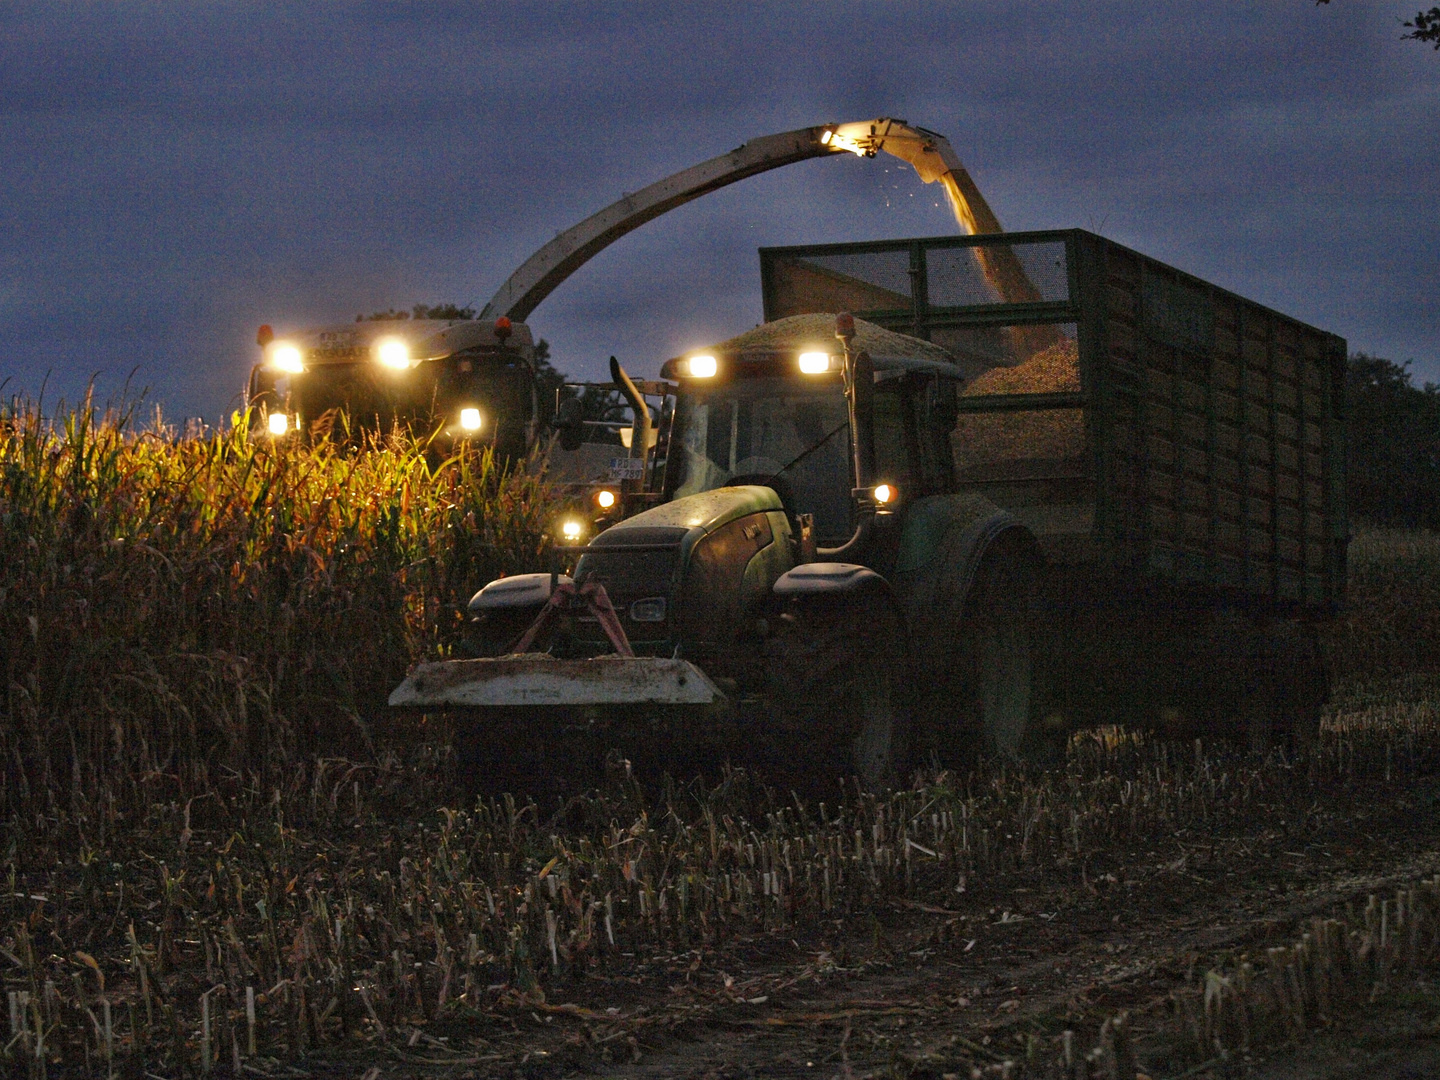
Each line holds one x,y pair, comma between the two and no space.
1425,26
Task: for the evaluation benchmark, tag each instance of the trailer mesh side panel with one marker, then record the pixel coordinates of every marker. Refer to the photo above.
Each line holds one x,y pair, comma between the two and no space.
1215,442
1224,437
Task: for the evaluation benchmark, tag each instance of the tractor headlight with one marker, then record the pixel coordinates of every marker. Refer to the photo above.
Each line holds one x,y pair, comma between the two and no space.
470,419
393,353
702,367
885,495
286,357
605,499
571,529
278,423
651,609
814,363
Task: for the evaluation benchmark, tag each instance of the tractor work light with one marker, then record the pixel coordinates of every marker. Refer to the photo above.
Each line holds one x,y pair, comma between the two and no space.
278,423
702,367
393,353
884,494
286,357
571,529
605,499
814,363
470,419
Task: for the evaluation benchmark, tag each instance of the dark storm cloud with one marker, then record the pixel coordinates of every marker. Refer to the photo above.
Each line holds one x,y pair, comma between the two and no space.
173,175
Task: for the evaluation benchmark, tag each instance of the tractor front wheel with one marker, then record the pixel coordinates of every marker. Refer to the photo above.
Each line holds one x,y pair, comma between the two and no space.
830,667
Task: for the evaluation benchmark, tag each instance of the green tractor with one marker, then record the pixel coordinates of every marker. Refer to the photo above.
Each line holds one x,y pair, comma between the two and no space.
802,577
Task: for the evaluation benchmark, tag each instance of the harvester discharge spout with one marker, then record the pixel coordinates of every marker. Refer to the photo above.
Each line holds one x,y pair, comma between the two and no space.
929,153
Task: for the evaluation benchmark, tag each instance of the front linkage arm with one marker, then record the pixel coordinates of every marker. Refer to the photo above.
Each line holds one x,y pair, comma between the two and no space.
566,596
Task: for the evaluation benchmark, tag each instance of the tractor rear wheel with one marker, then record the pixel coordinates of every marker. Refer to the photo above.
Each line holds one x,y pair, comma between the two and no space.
1000,683
1004,680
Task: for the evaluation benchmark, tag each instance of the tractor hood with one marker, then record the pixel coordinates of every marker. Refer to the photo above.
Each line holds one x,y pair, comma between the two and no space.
708,510
685,521
644,560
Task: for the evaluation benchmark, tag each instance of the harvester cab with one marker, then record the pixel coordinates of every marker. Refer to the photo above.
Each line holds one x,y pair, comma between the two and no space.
458,379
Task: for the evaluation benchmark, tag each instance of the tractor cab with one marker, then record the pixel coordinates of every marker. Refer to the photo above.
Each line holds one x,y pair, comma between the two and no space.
786,447
845,430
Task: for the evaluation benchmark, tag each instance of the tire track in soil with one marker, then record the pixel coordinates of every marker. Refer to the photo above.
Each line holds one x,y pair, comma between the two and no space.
1031,973
920,990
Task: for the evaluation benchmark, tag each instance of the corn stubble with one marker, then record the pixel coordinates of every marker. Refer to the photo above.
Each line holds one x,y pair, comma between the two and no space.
210,866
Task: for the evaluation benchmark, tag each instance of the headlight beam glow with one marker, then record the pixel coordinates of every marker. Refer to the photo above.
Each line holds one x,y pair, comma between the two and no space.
703,367
814,363
393,353
286,357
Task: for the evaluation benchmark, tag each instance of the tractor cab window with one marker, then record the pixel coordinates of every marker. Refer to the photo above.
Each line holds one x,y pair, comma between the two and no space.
894,430
768,427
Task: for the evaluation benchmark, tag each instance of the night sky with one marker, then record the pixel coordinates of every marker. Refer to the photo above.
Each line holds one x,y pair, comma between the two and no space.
176,174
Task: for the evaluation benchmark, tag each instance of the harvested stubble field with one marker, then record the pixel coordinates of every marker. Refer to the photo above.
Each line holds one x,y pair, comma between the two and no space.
215,864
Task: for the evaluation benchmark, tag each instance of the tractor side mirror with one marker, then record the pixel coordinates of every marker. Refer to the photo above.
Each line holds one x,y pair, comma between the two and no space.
942,406
569,421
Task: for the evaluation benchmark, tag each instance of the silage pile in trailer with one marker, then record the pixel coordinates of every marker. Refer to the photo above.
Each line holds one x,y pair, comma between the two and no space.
796,333
175,610
985,441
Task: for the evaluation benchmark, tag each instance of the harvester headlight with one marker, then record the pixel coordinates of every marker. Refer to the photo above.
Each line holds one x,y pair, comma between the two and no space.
605,499
286,357
393,353
814,363
571,529
702,366
278,423
884,494
470,419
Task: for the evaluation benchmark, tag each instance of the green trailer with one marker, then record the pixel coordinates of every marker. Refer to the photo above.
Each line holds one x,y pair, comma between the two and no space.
1185,436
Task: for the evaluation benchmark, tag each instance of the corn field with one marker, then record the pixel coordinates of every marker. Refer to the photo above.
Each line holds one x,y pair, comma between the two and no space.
179,612
216,862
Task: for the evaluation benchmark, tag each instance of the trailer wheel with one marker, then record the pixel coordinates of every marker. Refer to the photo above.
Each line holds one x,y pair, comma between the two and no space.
1294,686
830,668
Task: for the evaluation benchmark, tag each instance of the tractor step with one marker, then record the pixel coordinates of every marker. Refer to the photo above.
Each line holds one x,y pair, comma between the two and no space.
529,679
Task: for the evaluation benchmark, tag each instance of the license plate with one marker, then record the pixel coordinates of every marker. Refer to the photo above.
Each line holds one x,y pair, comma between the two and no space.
627,469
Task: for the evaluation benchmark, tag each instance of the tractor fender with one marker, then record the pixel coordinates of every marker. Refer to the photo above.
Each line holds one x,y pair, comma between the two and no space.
836,586
943,545
827,579
516,591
